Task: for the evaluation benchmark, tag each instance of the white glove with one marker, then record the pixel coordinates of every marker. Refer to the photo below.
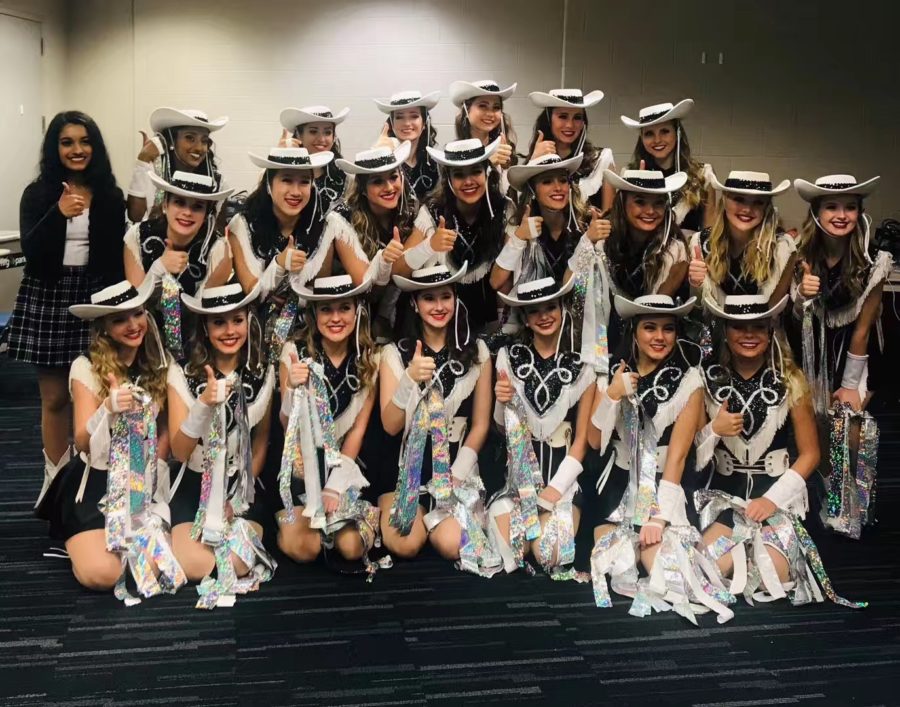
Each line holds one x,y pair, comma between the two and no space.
672,502
348,475
140,184
421,254
199,419
604,419
406,386
271,278
465,464
510,257
789,493
566,474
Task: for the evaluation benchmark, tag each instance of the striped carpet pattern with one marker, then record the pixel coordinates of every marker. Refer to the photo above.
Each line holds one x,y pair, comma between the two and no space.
422,633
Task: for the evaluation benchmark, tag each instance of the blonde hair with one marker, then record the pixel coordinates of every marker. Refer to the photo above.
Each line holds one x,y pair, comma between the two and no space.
366,365
758,260
854,268
794,380
104,356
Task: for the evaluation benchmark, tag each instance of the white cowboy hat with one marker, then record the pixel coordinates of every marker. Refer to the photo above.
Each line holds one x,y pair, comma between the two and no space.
191,185
750,183
121,297
834,184
660,113
378,159
746,307
546,289
565,98
163,118
291,118
220,300
462,91
462,153
645,181
332,288
519,175
429,278
661,305
408,99
291,158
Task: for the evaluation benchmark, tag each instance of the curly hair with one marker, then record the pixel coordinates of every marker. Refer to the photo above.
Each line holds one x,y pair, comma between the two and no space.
694,190
429,141
543,124
367,365
854,272
364,222
756,263
625,254
98,174
104,356
794,380
464,127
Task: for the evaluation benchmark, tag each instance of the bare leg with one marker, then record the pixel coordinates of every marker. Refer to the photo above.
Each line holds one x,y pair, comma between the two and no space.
198,559
349,543
56,411
535,544
446,537
92,564
404,546
297,540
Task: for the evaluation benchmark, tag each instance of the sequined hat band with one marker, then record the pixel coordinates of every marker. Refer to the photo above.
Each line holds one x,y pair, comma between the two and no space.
128,294
731,183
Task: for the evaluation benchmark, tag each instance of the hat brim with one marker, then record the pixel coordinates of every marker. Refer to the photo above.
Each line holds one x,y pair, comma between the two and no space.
195,303
519,175
316,159
311,296
679,110
405,284
462,91
440,156
428,101
513,301
782,187
548,100
95,311
400,156
292,118
720,313
164,118
809,191
161,183
629,308
674,182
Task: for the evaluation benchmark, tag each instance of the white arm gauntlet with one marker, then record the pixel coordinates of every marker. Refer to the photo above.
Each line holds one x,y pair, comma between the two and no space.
705,442
198,420
604,419
271,278
566,474
465,464
672,502
287,401
421,254
140,185
510,257
380,270
789,493
854,368
406,387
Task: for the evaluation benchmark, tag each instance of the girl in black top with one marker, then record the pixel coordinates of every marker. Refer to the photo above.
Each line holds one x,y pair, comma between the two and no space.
409,119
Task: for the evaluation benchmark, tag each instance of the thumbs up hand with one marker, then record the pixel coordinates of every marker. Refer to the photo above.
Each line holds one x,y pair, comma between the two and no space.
530,227
443,238
599,227
697,270
211,394
727,424
393,250
291,259
503,388
119,399
149,149
298,373
70,204
174,260
421,368
543,146
288,140
809,284
502,157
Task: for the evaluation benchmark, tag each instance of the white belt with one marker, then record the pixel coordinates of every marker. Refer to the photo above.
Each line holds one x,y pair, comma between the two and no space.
623,455
775,463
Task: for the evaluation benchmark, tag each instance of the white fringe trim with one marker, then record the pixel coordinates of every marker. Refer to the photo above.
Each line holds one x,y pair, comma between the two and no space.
784,249
675,253
258,408
667,412
591,184
424,223
131,242
177,380
881,269
238,228
338,228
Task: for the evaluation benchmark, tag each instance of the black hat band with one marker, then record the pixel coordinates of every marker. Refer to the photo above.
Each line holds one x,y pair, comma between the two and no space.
436,278
324,114
460,155
374,162
404,101
128,294
538,293
837,185
569,98
646,183
193,186
751,308
221,301
652,116
492,87
336,290
287,160
748,184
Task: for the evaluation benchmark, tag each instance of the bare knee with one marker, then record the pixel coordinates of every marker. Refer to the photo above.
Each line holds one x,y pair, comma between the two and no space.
54,392
99,572
348,542
781,564
300,546
445,538
406,547
196,559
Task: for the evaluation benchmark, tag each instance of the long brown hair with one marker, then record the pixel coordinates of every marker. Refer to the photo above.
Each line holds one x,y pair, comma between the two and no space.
201,352
527,198
366,365
543,124
694,190
104,356
363,220
464,127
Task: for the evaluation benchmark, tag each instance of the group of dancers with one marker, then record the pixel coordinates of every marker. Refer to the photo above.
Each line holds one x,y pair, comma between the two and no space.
492,353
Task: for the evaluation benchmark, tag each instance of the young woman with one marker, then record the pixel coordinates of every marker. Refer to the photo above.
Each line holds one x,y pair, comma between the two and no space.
553,394
548,223
481,117
437,493
219,402
117,390
71,218
409,119
463,221
181,143
315,128
561,129
756,400
744,252
847,279
277,235
663,145
649,412
367,229
181,247
335,360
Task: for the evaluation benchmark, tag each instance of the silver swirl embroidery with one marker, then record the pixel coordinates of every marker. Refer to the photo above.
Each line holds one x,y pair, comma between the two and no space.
767,394
543,397
455,367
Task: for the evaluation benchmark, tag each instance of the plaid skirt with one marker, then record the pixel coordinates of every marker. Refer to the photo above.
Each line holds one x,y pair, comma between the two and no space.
41,330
